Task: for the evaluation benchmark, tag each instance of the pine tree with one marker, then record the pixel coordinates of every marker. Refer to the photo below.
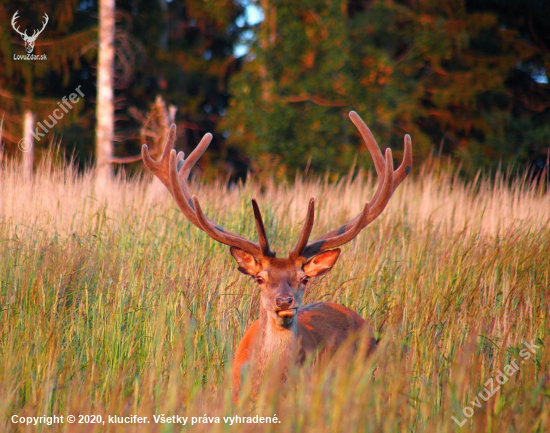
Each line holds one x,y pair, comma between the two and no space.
460,76
187,59
183,51
37,85
289,102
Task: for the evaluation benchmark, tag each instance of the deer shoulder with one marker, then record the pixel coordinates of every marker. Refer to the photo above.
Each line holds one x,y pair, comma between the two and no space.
286,330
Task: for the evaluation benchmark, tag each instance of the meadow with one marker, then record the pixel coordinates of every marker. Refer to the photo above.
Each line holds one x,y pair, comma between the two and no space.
112,304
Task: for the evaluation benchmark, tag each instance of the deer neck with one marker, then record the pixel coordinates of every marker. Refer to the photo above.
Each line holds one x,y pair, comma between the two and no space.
277,345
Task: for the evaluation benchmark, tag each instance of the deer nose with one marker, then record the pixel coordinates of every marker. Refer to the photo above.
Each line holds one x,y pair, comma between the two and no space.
284,302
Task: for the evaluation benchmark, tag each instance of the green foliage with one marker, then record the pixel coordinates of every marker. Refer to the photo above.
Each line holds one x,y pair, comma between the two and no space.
187,58
271,113
67,42
182,51
460,76
443,72
513,142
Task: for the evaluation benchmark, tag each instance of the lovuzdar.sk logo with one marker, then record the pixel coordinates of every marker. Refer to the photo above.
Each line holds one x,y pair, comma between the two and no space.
29,40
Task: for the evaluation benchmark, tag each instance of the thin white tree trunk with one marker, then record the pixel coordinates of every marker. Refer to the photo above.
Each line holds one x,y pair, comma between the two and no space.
1,142
27,144
267,38
105,82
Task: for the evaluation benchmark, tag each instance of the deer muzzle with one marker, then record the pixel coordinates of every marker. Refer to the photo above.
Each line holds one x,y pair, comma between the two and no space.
285,308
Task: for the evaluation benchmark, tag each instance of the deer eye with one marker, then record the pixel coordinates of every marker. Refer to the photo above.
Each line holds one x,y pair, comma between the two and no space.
305,279
259,280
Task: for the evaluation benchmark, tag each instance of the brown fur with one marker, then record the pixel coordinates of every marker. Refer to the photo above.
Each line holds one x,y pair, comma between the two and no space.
285,330
322,324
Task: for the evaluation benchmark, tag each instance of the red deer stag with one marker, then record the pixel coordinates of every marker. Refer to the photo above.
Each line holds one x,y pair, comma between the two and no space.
285,328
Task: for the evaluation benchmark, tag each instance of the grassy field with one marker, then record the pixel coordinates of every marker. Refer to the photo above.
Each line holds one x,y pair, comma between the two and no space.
112,304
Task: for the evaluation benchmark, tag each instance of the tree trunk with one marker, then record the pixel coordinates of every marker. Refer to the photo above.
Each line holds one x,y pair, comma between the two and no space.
1,142
105,81
267,37
27,145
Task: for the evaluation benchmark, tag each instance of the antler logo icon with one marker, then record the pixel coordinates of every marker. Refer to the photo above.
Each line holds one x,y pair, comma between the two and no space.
29,40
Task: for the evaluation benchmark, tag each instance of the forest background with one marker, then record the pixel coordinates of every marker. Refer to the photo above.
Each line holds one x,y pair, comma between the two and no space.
274,80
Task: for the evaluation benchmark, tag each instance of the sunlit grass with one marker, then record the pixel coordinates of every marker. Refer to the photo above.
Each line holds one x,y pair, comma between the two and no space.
111,303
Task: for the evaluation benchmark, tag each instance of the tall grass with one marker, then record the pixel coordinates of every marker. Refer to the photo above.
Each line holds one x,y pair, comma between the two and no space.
111,303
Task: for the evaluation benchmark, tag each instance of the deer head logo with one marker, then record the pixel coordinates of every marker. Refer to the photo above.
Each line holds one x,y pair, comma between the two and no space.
29,40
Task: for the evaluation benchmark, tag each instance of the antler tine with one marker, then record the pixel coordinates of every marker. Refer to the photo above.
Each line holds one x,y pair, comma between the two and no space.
183,201
306,230
388,181
219,234
13,22
350,230
385,191
44,23
182,168
180,160
371,143
166,169
160,168
192,159
374,149
173,171
260,228
406,165
321,245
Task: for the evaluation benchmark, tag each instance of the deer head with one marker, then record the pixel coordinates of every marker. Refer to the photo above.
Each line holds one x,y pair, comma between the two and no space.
282,280
29,40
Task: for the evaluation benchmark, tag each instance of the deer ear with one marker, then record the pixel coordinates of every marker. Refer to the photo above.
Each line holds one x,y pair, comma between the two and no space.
246,261
321,263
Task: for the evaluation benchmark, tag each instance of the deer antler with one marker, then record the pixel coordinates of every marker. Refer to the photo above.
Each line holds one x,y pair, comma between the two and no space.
388,181
24,34
13,22
173,171
37,32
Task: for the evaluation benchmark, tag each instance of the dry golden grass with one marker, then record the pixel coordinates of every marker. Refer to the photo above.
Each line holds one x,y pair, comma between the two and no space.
111,303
